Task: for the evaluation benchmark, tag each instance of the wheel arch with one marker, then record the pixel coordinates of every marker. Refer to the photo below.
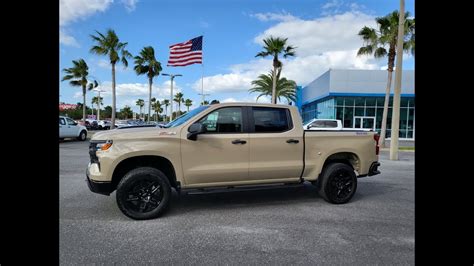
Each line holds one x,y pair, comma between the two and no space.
157,162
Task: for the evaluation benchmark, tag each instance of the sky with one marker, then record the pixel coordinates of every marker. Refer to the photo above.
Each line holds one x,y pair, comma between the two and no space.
324,33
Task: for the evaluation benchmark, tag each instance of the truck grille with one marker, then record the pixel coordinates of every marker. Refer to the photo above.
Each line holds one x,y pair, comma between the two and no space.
92,152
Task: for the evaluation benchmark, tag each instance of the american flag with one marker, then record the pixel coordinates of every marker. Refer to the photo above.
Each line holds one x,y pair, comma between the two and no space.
186,53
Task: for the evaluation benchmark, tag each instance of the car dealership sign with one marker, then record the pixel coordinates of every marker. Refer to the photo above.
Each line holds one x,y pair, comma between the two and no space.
65,106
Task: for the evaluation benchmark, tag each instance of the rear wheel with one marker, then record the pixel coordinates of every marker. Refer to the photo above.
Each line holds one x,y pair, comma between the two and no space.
82,136
143,193
338,183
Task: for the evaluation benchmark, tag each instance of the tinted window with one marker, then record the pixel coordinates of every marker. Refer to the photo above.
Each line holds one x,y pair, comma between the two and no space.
324,124
62,121
269,119
224,120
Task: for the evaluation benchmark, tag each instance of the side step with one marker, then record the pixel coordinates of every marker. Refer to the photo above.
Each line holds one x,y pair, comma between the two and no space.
211,190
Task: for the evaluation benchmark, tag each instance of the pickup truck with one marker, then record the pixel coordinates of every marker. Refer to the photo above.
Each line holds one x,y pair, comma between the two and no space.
224,146
69,128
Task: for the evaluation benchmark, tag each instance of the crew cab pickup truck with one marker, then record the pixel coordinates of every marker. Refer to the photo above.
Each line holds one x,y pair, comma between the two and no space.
230,145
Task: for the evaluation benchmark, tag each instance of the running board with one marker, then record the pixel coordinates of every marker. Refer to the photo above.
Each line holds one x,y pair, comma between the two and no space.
210,190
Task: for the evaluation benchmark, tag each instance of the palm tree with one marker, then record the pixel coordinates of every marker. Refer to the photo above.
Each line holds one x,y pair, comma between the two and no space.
377,41
146,63
178,97
140,103
188,103
274,47
157,108
284,88
96,101
110,45
126,112
206,102
77,76
166,103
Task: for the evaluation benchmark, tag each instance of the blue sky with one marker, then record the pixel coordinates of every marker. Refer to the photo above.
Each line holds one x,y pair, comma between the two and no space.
325,33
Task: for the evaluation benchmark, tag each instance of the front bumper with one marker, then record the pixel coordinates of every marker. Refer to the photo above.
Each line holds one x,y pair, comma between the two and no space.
104,188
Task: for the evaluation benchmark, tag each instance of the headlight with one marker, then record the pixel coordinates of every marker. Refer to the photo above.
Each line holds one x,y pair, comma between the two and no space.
104,145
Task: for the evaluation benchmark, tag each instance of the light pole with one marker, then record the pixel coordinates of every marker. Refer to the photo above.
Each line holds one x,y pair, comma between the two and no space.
203,95
98,102
398,83
171,97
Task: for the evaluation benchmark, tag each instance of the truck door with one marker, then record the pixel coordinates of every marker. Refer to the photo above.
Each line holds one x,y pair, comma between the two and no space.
276,145
222,153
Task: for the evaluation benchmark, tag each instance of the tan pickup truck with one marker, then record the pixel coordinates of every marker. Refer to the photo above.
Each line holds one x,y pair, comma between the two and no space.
231,145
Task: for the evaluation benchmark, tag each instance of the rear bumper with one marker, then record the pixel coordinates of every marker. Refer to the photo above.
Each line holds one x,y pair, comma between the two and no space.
373,170
103,188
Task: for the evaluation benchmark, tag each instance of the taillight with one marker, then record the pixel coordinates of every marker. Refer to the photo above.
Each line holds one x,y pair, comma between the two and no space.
377,148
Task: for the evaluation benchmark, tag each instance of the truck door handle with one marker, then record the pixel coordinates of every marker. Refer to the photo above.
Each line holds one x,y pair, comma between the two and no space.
292,141
239,141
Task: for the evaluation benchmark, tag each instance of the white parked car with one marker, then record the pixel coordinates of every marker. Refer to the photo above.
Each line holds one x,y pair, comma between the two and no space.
104,124
69,128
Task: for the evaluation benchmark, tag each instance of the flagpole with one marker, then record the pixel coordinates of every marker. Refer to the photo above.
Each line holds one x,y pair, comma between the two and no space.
202,68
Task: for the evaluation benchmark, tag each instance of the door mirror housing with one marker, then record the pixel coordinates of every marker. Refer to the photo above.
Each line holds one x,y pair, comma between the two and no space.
196,129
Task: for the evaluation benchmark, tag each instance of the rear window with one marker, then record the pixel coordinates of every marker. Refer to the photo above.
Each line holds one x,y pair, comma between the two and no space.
324,124
268,119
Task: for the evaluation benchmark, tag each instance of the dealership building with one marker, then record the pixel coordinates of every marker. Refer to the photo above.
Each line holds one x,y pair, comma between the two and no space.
356,97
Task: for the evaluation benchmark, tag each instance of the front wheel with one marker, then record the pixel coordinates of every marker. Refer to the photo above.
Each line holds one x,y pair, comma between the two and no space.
338,183
143,193
82,136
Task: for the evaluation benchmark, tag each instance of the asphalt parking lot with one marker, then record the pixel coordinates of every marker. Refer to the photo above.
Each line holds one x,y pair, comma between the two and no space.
277,226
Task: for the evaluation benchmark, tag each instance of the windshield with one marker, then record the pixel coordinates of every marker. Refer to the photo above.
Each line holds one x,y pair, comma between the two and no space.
180,120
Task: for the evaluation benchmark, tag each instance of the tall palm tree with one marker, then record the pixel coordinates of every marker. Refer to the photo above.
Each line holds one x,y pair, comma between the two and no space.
110,45
284,88
188,103
146,63
157,108
178,97
140,103
274,47
382,42
166,103
77,76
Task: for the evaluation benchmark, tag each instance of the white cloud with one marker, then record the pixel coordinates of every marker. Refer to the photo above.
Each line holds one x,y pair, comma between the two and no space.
66,39
332,33
284,16
322,43
129,93
130,5
332,4
73,10
103,63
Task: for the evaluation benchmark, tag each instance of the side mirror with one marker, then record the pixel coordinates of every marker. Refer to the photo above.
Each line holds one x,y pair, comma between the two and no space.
196,129
308,126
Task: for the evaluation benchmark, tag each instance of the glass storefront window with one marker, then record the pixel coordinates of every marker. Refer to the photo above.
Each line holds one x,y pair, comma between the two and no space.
403,118
370,101
370,111
359,101
403,102
349,101
348,116
411,100
340,101
339,113
359,111
380,101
